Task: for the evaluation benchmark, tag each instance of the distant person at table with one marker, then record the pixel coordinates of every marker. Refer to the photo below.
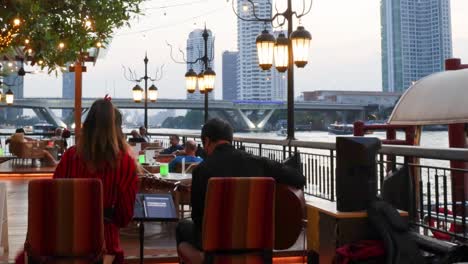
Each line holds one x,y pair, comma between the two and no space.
175,146
144,134
136,137
189,155
103,153
223,160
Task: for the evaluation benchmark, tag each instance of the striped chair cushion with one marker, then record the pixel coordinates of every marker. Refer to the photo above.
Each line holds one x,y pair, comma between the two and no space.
239,214
239,259
65,219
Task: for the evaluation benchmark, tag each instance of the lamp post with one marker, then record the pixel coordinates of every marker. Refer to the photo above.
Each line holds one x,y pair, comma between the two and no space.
150,93
286,52
206,77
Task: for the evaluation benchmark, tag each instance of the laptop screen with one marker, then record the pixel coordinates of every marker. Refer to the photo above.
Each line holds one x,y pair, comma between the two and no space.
155,207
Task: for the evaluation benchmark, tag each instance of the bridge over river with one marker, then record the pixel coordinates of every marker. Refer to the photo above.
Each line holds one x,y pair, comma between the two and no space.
234,111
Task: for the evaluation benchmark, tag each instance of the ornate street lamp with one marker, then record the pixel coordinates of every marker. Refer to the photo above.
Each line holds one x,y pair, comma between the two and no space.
209,79
281,53
265,45
137,93
191,81
300,40
153,93
9,97
150,93
286,52
206,78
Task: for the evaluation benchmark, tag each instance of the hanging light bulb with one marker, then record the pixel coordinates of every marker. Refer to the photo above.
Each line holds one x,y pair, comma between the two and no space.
209,79
191,81
9,97
201,83
153,93
265,43
300,40
16,22
61,45
137,93
281,53
26,41
98,44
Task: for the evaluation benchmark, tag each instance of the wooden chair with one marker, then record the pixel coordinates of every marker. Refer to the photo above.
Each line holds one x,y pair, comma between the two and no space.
164,158
65,221
189,167
27,150
238,222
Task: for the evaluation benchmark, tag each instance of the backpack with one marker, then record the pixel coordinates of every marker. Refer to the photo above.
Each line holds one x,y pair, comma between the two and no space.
394,232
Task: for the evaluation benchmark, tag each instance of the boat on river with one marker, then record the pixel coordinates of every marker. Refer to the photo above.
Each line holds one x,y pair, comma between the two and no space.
340,129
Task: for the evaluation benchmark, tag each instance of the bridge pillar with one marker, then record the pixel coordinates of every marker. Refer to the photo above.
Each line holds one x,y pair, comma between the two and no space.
48,115
244,117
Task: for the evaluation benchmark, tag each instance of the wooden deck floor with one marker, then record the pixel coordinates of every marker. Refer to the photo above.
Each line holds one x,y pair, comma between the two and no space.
159,238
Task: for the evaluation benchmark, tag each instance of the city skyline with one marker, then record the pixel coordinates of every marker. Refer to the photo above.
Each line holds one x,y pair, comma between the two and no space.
345,51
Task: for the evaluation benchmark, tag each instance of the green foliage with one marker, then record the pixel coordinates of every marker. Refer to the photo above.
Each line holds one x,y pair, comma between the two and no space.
78,24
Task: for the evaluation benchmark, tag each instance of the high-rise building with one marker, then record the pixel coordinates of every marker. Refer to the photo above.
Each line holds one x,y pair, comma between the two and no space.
253,83
230,75
68,90
416,40
195,50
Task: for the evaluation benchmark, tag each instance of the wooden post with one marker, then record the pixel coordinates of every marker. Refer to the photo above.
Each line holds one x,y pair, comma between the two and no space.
78,95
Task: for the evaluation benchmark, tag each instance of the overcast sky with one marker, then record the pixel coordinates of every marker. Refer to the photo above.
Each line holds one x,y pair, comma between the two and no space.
344,55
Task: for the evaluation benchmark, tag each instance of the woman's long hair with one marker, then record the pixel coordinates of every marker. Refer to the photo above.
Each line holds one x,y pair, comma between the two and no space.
101,140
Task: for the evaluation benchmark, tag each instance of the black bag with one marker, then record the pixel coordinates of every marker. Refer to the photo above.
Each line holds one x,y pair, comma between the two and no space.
394,232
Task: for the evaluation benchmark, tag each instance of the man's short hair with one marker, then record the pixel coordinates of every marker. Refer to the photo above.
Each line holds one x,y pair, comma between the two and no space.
176,137
191,145
19,130
216,129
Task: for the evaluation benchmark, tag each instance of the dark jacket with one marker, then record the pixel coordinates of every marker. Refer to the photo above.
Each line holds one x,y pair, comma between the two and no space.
226,161
171,149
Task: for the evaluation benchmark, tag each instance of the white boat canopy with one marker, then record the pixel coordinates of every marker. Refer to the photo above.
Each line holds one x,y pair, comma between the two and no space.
440,98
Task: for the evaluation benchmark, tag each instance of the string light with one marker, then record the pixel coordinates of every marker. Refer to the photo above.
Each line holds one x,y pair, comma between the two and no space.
26,41
98,44
88,24
40,62
61,45
16,22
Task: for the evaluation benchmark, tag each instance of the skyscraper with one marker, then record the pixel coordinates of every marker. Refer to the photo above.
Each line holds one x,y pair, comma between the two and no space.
253,83
195,50
230,75
416,40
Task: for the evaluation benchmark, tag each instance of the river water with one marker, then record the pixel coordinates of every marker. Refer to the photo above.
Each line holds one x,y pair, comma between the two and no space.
430,139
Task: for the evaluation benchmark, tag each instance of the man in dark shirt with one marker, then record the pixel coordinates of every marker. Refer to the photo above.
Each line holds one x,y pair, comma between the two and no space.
223,160
175,146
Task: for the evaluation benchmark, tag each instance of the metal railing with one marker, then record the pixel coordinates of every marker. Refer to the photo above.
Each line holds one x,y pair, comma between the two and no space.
431,207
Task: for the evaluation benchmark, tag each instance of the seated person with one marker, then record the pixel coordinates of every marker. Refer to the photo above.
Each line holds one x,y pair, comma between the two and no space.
175,146
223,160
18,136
144,134
189,156
136,137
57,134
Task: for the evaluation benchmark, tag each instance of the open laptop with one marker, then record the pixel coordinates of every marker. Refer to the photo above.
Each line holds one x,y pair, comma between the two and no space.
155,207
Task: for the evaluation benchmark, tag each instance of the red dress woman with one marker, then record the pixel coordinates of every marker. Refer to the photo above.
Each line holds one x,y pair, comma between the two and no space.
103,153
